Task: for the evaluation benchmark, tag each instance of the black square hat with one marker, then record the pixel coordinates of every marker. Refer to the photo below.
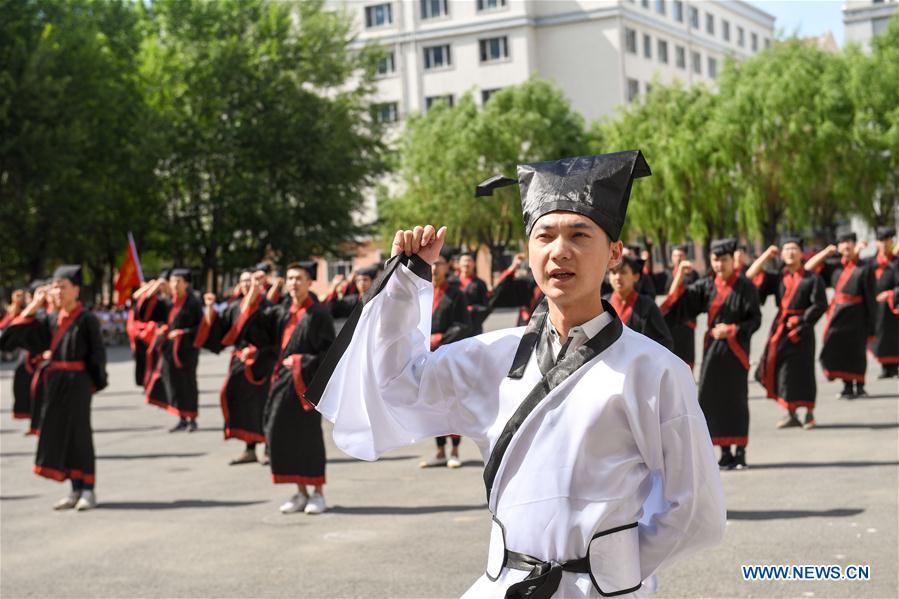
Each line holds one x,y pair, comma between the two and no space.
722,247
184,273
597,186
311,267
884,233
792,238
71,272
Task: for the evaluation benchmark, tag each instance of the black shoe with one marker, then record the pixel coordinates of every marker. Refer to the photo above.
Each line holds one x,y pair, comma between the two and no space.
727,461
789,421
740,460
181,426
192,426
847,392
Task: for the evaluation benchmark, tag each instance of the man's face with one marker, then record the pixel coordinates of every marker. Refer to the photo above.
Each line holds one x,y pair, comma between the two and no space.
178,286
297,282
246,280
466,266
622,279
884,245
723,265
791,254
740,257
63,292
363,283
260,277
846,248
676,256
439,270
569,255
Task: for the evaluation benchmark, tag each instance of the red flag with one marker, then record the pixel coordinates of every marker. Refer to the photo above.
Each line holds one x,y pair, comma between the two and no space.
130,274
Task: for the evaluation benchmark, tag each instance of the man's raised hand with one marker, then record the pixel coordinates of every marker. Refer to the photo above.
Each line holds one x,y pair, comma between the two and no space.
424,241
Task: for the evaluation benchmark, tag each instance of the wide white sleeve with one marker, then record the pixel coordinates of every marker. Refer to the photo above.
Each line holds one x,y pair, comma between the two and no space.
388,389
687,505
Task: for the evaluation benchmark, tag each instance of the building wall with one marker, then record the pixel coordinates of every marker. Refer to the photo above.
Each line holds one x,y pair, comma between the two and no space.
865,19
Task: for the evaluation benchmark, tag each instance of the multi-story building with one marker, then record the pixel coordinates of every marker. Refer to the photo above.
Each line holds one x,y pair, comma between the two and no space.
600,53
865,19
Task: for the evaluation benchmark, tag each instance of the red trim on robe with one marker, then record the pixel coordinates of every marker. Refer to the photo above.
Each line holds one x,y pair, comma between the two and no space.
245,313
624,309
838,296
204,328
672,299
740,441
791,286
846,376
296,371
315,481
62,475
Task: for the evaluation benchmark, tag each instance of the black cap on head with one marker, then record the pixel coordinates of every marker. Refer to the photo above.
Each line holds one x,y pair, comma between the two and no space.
184,273
35,284
165,273
722,247
598,187
682,247
846,235
311,267
885,233
369,271
264,267
72,272
635,248
633,262
792,238
447,253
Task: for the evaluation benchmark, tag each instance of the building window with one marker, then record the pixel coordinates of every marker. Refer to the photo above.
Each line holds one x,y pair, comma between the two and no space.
486,94
678,11
446,99
633,89
339,267
694,17
725,30
431,9
490,4
645,3
386,112
879,25
660,6
767,42
755,41
696,59
379,15
741,37
494,48
713,68
630,40
648,88
647,46
663,51
710,23
387,64
438,57
680,57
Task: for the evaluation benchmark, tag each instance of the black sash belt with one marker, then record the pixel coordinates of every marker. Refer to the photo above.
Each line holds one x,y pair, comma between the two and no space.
544,577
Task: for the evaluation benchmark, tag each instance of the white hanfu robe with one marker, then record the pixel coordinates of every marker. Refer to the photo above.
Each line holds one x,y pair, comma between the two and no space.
585,460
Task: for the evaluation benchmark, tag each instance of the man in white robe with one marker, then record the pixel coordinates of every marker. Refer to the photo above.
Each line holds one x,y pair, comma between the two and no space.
599,467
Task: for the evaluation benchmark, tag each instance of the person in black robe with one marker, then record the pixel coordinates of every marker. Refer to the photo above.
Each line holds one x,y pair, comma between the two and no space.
645,282
742,259
345,295
303,331
850,316
144,309
70,340
516,288
475,290
683,334
245,390
21,381
885,345
172,384
450,322
636,310
732,304
787,366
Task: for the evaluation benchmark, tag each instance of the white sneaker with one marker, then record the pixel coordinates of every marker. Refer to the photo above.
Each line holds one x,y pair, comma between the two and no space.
68,502
316,504
88,501
294,504
453,462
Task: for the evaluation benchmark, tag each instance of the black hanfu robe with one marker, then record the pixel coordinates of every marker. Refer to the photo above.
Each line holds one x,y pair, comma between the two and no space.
21,380
641,314
516,292
244,393
342,307
293,427
723,377
477,297
172,382
75,369
850,319
450,319
143,311
787,367
885,345
683,334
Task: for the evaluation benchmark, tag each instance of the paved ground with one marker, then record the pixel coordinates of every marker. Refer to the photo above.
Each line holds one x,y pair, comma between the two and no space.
176,521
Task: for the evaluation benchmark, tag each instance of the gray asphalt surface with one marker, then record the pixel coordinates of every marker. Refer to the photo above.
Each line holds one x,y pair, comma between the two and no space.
176,521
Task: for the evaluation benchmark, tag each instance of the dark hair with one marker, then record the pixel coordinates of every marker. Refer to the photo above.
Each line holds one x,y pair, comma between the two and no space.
297,266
